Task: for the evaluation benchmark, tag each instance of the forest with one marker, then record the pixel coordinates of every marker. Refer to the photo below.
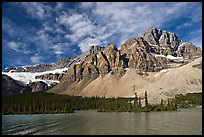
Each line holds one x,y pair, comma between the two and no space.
42,103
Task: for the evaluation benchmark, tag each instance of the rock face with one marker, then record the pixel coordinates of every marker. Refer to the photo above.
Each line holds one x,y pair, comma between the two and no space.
136,54
10,86
61,63
38,86
51,76
161,38
153,51
167,43
149,53
189,50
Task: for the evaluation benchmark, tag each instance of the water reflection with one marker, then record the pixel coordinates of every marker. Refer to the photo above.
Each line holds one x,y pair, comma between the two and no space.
95,123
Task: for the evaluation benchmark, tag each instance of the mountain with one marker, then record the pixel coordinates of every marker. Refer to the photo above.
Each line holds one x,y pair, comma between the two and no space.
61,63
107,72
164,84
111,72
11,86
167,43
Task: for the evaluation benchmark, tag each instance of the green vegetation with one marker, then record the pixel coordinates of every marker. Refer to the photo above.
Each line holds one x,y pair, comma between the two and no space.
188,101
163,106
35,103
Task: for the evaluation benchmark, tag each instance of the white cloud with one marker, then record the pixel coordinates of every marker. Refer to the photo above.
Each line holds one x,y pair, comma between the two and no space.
87,4
67,20
59,5
19,47
38,10
79,26
196,37
131,19
58,31
9,27
36,59
14,46
118,21
187,24
58,49
86,43
99,23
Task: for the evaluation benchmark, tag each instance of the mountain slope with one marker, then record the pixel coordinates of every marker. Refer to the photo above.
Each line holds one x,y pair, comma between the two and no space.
108,71
157,62
112,86
184,79
10,86
174,81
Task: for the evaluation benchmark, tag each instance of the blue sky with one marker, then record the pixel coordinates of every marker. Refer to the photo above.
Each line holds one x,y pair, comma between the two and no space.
38,32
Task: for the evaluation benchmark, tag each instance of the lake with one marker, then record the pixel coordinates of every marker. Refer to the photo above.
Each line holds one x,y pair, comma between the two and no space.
183,122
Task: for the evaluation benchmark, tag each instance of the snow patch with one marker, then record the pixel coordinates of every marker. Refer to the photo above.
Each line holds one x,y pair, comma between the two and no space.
157,55
24,67
174,58
165,70
162,71
77,63
26,77
181,45
168,56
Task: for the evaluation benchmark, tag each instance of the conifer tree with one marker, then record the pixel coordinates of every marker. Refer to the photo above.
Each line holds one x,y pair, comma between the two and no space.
162,104
136,102
139,104
146,102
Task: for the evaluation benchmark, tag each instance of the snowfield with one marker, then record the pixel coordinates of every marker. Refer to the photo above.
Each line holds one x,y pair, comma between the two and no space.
26,77
168,56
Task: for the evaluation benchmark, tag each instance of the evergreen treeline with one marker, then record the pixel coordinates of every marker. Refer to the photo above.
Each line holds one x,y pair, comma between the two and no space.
189,100
39,102
163,106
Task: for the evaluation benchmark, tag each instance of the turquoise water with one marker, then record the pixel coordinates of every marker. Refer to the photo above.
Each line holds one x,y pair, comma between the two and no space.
183,122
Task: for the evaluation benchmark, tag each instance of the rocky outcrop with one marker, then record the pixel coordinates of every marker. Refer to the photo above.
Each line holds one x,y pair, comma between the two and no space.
167,43
161,38
154,51
11,86
95,49
51,76
136,54
189,50
144,54
61,63
38,86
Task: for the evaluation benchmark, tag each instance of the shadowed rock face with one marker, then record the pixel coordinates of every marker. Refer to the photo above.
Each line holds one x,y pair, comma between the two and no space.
189,50
50,76
136,53
11,86
167,43
158,37
38,86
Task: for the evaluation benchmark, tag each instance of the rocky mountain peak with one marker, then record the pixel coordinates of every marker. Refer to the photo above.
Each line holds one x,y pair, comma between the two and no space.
59,64
155,50
159,37
95,49
110,48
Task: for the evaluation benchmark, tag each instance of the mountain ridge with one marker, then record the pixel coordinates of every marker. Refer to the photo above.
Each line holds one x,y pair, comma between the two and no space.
154,51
